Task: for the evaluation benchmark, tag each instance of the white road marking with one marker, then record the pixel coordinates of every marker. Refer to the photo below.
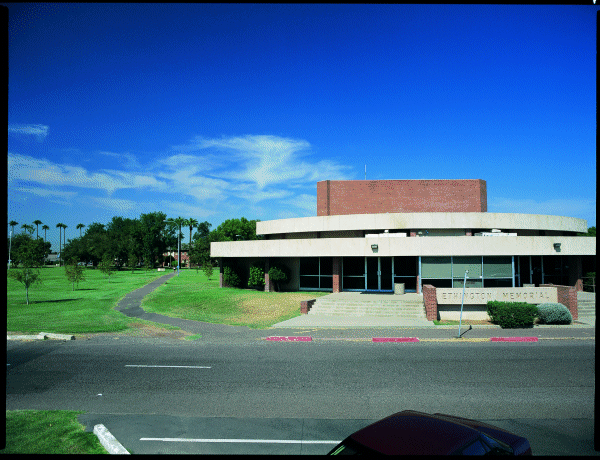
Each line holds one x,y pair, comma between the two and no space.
186,367
270,441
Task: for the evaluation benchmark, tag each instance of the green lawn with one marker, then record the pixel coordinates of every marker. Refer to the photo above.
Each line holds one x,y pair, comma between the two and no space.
191,296
48,432
55,307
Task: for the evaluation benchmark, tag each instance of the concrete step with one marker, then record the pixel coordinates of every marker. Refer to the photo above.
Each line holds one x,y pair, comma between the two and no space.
339,311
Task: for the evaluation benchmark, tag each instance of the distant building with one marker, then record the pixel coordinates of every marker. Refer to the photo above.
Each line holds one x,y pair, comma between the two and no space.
370,235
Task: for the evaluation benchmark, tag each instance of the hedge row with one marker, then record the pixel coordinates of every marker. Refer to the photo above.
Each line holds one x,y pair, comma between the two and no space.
521,314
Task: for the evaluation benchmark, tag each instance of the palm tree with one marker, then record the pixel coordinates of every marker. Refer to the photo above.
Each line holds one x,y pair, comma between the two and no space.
45,227
59,226
80,226
12,223
64,235
190,223
27,227
37,222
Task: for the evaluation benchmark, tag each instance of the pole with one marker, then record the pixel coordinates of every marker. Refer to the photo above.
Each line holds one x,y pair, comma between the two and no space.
9,248
462,302
178,256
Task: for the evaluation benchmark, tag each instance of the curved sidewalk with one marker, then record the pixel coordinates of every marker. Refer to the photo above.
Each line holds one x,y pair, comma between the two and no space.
130,306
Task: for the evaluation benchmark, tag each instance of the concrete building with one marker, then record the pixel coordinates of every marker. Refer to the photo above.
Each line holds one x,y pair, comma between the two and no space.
375,236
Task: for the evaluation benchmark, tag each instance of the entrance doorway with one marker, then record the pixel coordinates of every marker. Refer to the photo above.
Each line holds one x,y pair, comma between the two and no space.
379,274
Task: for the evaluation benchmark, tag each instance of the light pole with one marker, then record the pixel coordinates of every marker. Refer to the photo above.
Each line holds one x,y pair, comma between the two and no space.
178,248
9,248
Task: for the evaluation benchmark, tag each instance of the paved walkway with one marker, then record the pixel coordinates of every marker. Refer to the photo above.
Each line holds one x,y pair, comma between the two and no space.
341,328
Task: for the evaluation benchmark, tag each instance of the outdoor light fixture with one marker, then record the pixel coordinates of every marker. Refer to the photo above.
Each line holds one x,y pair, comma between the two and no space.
374,247
557,247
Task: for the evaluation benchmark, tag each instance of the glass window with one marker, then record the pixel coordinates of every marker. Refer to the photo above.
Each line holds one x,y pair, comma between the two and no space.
326,265
353,266
353,282
436,267
458,283
477,448
497,267
309,281
438,283
497,283
326,282
309,266
471,263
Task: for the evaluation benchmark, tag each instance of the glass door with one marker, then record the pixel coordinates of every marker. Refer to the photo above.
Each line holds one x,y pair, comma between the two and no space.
372,273
385,270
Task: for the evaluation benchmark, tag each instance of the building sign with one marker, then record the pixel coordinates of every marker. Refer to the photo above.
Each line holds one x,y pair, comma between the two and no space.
479,296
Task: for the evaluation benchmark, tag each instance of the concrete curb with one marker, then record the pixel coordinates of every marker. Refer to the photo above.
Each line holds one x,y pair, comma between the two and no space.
289,339
41,336
108,441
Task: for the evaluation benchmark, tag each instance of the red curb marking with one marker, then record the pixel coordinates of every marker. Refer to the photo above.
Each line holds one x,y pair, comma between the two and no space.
513,339
395,339
291,339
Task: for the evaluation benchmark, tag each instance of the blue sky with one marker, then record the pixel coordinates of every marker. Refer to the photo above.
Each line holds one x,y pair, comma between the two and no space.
223,111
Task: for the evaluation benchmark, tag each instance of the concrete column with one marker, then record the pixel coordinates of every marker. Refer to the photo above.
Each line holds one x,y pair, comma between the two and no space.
337,265
267,282
221,272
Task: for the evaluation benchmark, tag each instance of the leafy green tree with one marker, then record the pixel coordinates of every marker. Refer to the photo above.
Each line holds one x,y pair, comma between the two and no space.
236,230
591,232
74,272
106,265
200,246
208,270
155,236
124,236
24,246
28,275
132,261
230,277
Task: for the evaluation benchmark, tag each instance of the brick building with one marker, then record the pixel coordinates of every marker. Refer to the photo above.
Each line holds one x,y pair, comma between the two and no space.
371,235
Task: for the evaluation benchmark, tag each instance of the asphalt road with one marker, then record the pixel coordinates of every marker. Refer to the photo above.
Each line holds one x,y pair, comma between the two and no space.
299,389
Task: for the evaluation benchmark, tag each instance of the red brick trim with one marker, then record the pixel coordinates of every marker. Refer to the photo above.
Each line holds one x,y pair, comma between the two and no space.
430,300
336,274
306,305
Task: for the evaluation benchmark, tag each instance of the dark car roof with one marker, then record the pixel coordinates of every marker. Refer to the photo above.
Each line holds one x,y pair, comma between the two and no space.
415,433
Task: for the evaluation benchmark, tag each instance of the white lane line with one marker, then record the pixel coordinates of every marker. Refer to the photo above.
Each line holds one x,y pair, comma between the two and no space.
270,441
186,367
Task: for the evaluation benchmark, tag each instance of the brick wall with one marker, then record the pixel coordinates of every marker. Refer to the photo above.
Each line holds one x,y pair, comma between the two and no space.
381,196
336,274
430,300
305,306
567,295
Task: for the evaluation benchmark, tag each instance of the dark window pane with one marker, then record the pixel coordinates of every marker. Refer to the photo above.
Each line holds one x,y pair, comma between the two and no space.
326,266
309,266
353,282
353,266
497,282
309,281
326,282
438,283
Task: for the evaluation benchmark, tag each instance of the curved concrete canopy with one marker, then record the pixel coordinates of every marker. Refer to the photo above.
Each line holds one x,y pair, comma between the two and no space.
423,220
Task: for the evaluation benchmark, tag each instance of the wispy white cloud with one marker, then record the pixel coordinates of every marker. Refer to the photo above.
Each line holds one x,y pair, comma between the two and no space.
39,131
42,171
128,159
114,204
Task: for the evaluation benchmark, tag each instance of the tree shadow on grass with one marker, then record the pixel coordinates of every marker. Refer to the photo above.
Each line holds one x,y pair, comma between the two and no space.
51,301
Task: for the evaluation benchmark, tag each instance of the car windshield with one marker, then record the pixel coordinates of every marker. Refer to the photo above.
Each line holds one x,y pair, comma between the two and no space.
497,447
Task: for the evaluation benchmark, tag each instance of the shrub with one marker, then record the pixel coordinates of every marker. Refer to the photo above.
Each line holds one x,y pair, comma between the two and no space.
230,277
279,275
257,277
207,268
512,314
554,313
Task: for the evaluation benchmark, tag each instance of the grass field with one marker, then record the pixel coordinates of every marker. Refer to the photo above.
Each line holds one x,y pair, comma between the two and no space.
192,296
55,307
48,432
